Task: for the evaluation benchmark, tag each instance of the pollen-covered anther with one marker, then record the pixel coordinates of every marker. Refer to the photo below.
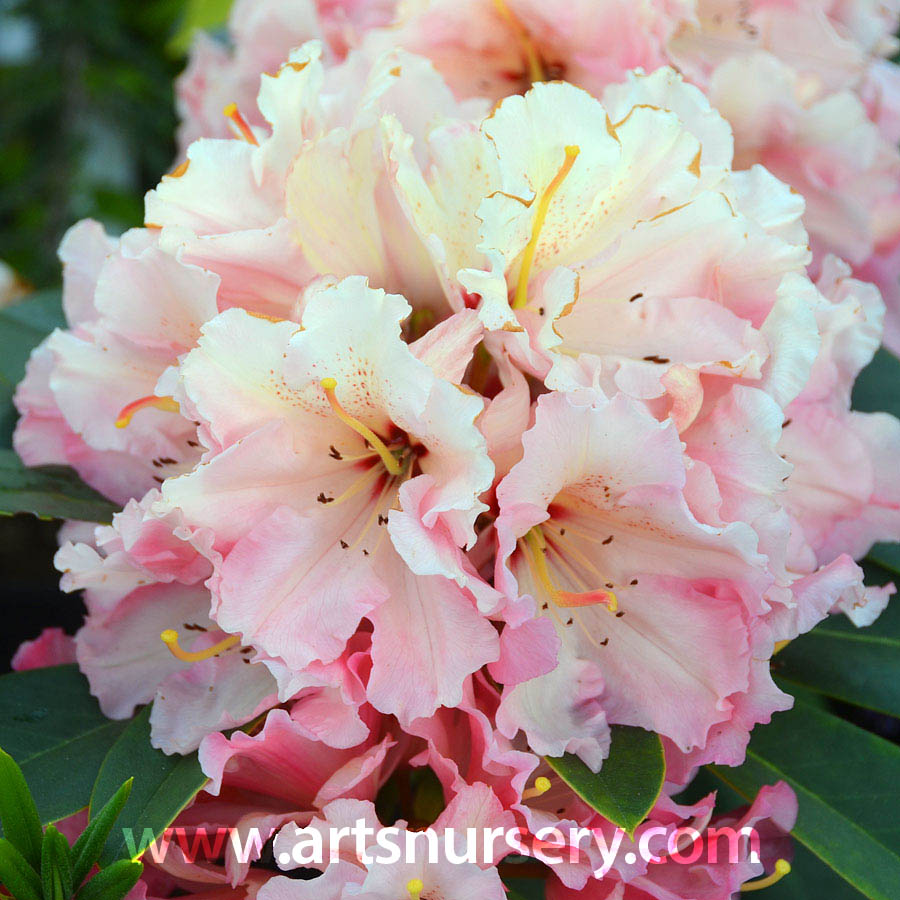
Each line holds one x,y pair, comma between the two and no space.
782,868
232,113
542,784
391,463
170,638
167,404
414,888
521,295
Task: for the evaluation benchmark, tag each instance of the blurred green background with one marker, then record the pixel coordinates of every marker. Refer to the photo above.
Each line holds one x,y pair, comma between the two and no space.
87,115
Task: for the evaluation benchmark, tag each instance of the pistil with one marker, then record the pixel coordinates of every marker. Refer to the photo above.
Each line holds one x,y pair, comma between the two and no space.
391,463
170,638
232,113
167,404
521,295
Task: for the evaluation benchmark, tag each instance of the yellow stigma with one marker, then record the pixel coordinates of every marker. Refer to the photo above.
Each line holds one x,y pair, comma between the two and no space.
391,463
170,638
782,868
414,888
536,545
167,404
232,112
532,57
521,295
541,786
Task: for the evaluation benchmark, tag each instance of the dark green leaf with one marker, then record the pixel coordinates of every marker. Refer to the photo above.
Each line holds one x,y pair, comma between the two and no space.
887,556
163,787
856,665
50,492
112,883
89,845
810,879
17,875
846,781
50,724
56,866
626,787
877,388
21,823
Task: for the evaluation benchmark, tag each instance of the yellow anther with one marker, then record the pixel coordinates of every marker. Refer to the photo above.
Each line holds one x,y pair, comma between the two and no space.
391,463
782,868
541,786
414,888
232,112
532,57
779,646
521,295
167,404
170,638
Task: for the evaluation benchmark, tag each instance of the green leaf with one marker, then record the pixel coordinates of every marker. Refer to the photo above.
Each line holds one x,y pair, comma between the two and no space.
21,823
56,866
626,787
50,724
887,556
17,875
846,781
22,327
89,845
856,665
112,883
49,492
877,389
163,787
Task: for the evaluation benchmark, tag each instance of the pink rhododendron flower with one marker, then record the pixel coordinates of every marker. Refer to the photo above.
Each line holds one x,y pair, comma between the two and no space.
316,434
596,534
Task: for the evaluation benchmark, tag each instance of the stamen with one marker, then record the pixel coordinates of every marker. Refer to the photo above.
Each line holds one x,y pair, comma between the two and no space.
391,463
521,295
167,404
170,638
782,868
532,57
414,888
369,477
541,786
231,112
537,545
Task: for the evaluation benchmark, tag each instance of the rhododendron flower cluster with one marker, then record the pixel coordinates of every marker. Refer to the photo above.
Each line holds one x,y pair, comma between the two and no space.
804,84
448,437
